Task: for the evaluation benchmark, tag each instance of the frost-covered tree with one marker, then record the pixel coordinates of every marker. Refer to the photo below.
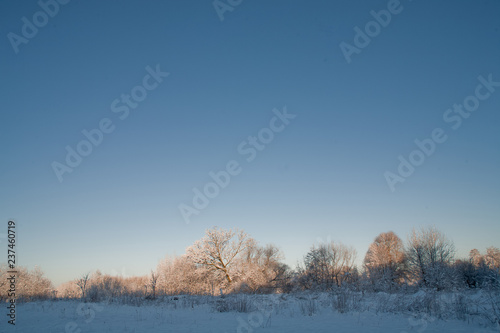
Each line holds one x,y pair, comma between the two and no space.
429,256
385,261
261,269
480,270
492,258
475,257
328,265
179,275
39,286
135,285
68,290
30,284
3,281
219,250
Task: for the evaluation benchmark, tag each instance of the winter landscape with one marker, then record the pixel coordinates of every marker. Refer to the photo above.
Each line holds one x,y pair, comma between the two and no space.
226,282
250,166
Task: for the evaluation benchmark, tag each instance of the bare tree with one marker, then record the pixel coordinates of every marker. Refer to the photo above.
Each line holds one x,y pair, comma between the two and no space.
82,283
329,264
429,254
152,283
385,261
219,250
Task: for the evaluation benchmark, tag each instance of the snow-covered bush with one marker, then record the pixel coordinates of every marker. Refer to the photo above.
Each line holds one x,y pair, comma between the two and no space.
308,307
29,284
238,303
345,300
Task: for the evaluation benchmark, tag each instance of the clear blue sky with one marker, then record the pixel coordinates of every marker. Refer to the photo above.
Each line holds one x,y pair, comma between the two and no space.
321,178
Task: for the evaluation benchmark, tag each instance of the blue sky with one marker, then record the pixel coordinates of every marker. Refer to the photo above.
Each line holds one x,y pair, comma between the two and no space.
320,179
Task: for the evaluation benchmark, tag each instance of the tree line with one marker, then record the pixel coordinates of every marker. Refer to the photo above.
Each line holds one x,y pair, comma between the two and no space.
231,261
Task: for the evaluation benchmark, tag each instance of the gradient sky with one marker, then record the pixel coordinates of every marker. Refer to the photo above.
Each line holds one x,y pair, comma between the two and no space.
320,179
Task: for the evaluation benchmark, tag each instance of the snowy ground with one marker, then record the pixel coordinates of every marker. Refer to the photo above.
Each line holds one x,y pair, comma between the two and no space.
317,313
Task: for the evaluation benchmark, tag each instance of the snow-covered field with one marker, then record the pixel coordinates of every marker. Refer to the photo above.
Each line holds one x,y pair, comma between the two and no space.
270,313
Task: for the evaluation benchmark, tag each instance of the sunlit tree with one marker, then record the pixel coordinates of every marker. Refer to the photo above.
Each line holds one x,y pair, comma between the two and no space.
219,250
385,261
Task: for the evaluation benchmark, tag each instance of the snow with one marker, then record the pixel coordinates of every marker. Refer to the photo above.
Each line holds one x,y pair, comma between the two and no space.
269,313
